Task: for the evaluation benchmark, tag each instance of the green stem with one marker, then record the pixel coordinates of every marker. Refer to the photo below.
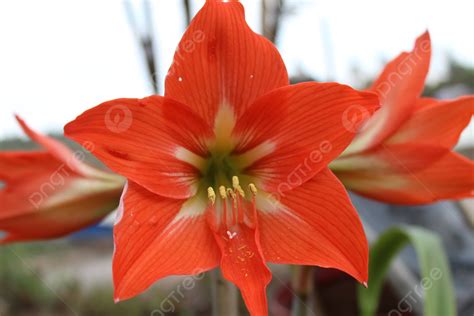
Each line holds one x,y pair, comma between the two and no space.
307,301
225,299
303,287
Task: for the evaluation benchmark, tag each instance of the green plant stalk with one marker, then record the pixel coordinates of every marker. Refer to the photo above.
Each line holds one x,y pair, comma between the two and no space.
225,296
304,291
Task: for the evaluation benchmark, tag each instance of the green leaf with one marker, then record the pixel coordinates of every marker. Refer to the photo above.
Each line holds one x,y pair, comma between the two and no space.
435,286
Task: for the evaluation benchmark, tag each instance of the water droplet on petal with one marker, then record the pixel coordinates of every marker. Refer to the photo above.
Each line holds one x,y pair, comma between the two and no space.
180,79
153,220
135,225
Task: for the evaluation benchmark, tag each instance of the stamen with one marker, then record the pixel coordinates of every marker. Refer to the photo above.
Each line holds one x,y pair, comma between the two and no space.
252,218
240,208
241,192
235,181
211,195
237,187
211,215
232,194
253,188
238,211
222,192
224,206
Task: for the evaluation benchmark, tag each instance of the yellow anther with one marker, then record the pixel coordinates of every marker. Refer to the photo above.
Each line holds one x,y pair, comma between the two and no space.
211,195
231,193
235,182
253,188
222,192
237,187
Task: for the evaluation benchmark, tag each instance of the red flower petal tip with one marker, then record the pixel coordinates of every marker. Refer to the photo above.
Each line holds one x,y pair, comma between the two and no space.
50,193
404,155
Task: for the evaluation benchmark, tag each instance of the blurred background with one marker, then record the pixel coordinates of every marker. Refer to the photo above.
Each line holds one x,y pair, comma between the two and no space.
59,58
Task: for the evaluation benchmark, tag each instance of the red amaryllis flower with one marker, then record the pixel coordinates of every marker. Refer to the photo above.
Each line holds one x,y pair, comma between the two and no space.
229,168
51,193
404,154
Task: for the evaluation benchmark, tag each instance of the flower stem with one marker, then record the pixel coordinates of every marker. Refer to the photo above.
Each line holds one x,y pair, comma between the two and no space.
302,286
306,301
225,299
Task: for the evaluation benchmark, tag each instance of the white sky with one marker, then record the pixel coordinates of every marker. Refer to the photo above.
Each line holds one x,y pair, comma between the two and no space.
59,58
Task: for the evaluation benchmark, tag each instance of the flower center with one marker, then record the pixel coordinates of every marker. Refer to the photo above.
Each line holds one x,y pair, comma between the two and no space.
219,170
222,170
222,167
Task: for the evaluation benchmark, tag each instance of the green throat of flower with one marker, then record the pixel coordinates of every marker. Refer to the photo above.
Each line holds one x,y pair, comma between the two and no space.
219,170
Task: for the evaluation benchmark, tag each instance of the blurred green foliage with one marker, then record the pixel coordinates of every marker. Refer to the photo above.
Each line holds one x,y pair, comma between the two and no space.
24,291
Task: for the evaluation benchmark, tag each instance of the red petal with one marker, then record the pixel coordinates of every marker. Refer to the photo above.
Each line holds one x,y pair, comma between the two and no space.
399,86
23,174
303,127
314,224
451,177
57,149
220,60
243,264
142,139
15,166
424,102
439,123
154,240
45,199
400,158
